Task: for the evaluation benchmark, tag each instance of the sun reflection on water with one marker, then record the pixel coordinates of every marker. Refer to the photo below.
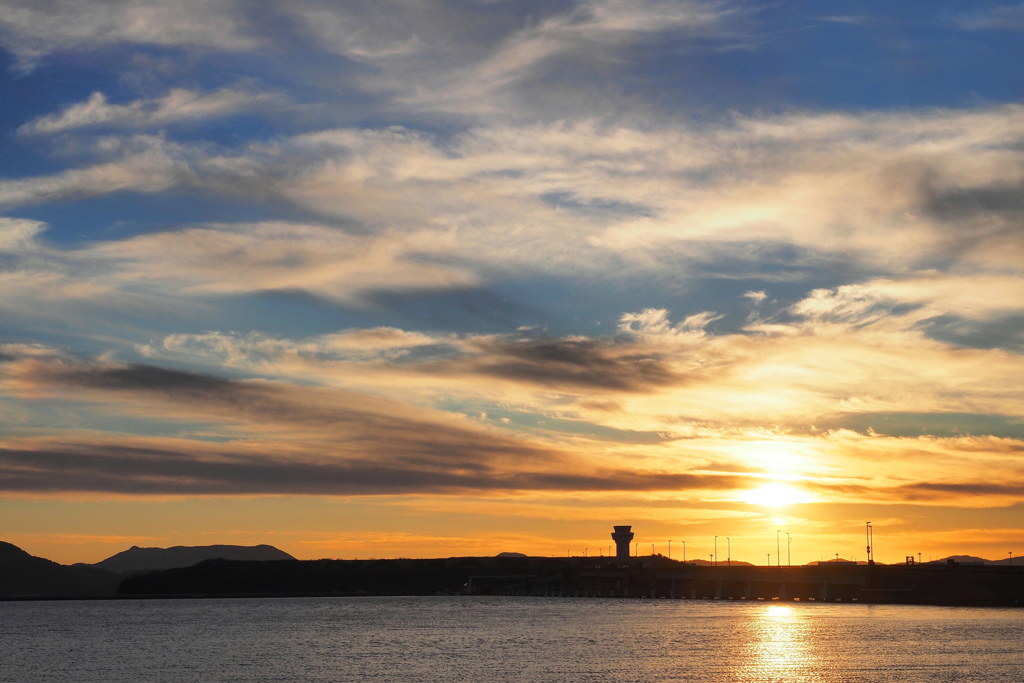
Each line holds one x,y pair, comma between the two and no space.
779,647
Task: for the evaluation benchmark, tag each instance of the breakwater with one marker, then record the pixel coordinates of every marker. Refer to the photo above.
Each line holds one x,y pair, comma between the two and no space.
841,582
651,577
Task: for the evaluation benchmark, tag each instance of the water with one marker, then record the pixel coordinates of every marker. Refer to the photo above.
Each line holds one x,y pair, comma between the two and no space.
485,639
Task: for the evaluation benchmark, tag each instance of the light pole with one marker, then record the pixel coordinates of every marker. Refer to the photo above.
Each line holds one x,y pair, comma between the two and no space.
636,549
728,551
789,549
716,551
652,550
769,559
684,551
778,552
670,548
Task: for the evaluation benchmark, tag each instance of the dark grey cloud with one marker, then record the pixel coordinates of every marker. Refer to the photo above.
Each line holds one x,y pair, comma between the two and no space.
1005,332
932,490
344,443
586,363
354,425
955,204
120,469
148,378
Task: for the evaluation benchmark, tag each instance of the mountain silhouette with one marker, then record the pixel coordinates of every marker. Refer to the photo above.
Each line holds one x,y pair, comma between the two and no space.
137,559
24,575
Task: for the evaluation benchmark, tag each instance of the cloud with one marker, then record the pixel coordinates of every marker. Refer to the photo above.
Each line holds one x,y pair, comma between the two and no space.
590,33
917,299
18,235
298,440
836,353
109,468
320,434
142,164
783,197
404,211
33,29
565,364
325,261
1000,17
933,490
179,105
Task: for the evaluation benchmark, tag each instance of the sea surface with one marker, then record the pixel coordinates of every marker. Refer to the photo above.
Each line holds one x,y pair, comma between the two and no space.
485,639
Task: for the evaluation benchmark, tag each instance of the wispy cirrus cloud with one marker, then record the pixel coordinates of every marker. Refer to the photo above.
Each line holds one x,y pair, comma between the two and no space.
941,186
179,105
999,17
591,32
140,163
32,29
809,182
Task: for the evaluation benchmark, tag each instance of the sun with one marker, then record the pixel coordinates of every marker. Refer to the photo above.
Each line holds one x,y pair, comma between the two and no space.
775,495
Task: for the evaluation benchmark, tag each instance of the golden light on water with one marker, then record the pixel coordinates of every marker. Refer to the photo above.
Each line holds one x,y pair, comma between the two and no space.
779,649
775,495
779,611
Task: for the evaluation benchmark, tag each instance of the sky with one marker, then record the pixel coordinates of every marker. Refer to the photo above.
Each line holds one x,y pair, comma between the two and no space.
427,278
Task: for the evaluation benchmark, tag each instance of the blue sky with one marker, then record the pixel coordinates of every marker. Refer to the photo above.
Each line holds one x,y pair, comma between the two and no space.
495,275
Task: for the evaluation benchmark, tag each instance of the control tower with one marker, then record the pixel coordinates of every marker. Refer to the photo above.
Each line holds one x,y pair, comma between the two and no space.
622,538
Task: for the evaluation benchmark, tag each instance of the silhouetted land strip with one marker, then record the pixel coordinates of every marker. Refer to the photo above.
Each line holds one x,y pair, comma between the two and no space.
23,576
660,577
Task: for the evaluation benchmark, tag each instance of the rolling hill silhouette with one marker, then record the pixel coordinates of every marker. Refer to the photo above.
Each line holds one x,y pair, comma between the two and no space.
137,559
23,575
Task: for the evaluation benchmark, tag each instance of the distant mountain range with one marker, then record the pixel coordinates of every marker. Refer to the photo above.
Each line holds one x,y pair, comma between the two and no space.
137,559
24,575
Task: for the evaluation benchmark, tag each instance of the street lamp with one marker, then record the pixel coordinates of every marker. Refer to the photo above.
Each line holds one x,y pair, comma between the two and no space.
728,551
684,551
652,550
778,553
789,555
670,548
716,551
